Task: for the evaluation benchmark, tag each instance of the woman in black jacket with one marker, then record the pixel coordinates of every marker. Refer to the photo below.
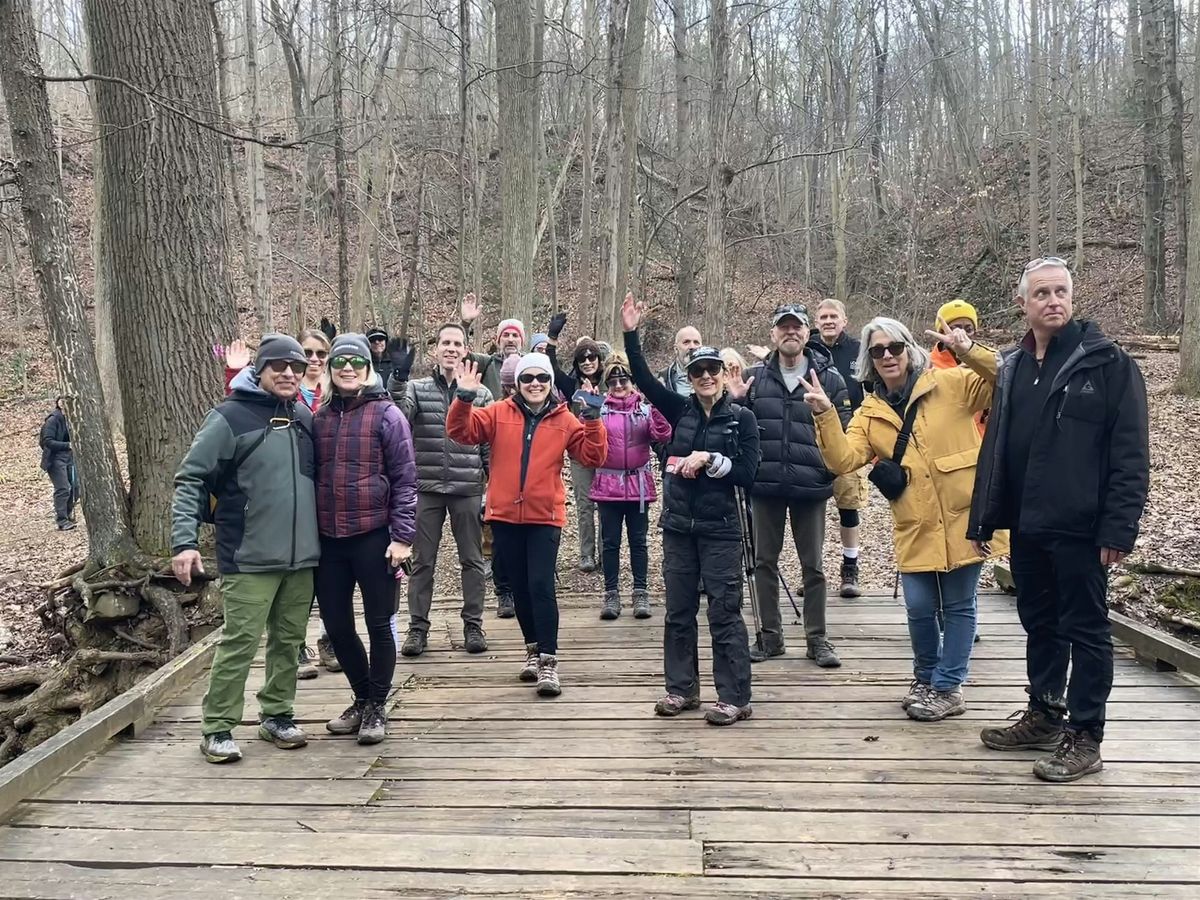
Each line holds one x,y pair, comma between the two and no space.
713,452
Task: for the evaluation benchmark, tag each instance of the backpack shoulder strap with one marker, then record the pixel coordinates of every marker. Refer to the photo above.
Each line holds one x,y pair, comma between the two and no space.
905,432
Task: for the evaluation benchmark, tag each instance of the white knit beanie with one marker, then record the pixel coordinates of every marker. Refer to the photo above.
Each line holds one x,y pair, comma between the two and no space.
534,361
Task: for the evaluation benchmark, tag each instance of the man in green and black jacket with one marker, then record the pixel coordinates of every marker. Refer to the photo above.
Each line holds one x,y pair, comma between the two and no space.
250,471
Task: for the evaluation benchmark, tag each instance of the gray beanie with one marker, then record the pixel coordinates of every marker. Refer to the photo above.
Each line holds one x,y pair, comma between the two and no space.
351,343
278,346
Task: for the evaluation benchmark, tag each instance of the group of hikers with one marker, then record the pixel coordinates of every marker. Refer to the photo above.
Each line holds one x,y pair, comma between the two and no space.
334,463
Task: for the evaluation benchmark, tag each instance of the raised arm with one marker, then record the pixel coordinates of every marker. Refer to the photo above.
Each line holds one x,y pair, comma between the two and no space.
976,382
566,383
467,423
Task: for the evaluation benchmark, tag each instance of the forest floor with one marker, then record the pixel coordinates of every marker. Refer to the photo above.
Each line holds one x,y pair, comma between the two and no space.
33,551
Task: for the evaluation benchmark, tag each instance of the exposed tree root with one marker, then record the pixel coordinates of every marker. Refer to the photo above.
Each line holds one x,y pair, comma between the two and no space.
96,615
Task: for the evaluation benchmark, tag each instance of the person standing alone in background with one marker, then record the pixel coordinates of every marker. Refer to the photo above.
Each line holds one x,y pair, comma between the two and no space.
58,461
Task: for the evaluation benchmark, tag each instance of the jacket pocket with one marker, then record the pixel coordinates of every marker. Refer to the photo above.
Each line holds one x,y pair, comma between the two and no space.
956,478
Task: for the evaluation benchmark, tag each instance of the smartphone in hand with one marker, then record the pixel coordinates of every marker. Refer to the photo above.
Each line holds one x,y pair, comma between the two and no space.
595,401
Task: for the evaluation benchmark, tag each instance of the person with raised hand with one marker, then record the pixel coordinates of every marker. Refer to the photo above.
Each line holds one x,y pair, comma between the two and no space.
713,451
528,434
510,340
366,512
1066,465
919,422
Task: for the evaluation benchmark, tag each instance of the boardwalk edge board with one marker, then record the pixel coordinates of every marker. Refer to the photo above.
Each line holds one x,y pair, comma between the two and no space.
46,763
1155,649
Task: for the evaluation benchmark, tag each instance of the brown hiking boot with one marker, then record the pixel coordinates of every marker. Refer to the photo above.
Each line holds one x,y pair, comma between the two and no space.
547,676
1077,755
850,588
1035,730
529,671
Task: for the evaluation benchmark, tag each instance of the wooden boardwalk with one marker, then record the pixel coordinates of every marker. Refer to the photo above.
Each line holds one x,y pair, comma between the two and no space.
485,790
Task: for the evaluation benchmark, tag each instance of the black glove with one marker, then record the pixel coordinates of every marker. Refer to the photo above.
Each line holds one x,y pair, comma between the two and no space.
402,354
328,328
557,321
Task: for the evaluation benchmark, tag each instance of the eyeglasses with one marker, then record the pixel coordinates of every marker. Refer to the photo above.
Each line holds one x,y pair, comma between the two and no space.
530,378
895,348
711,369
340,362
279,366
319,354
618,381
1045,261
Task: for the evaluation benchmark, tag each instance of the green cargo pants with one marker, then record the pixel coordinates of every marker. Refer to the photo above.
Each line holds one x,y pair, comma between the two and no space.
279,603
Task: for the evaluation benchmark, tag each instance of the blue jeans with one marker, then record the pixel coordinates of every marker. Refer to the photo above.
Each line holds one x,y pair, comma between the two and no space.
941,660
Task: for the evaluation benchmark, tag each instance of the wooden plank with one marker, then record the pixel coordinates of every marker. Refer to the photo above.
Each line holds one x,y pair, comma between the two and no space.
949,828
1154,647
198,791
233,816
916,862
461,853
29,773
63,881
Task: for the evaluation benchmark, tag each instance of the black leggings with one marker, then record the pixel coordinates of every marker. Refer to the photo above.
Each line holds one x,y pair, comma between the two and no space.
360,560
636,517
530,554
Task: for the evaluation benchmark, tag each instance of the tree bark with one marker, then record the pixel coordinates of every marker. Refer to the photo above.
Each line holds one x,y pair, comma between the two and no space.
880,49
719,177
340,174
685,165
162,211
587,294
1032,123
47,223
517,97
1179,189
1154,316
261,277
1189,340
1077,139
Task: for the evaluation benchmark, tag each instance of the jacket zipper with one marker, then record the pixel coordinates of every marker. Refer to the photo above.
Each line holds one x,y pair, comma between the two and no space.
295,501
531,423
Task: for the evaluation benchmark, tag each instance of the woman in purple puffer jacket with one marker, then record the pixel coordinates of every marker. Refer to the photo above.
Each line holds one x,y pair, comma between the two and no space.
623,487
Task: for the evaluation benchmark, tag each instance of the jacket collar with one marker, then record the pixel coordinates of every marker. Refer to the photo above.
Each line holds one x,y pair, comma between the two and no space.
623,404
877,406
342,403
552,406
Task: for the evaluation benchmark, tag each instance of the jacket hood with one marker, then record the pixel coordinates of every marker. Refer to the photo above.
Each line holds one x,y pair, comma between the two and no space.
247,381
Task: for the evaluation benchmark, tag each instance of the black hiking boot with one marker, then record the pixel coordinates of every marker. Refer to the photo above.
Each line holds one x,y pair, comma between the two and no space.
1035,730
350,719
612,605
506,607
821,652
764,651
641,603
1077,755
473,639
414,643
374,723
850,588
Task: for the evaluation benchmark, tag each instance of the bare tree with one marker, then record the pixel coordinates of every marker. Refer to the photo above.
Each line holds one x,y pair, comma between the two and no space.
1150,82
256,181
719,176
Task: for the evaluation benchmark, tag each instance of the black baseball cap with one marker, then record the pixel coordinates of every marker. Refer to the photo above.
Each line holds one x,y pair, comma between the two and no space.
795,310
377,334
704,354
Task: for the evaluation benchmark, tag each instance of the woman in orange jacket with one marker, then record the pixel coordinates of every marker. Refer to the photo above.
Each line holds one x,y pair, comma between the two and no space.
526,500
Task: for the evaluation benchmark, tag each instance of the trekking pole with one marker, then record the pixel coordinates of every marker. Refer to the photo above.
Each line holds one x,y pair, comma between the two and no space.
746,525
792,600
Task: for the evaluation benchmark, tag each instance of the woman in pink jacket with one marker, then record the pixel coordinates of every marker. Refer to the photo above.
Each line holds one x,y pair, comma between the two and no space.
623,487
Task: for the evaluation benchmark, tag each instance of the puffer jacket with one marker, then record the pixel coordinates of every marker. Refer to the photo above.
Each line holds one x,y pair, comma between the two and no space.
625,475
1088,474
261,473
930,518
366,478
526,486
792,467
444,466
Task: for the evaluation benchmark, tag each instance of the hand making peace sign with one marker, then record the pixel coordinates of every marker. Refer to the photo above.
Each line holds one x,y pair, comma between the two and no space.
814,395
957,340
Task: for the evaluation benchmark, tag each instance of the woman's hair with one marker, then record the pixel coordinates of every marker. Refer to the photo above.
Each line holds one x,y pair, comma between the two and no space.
732,358
918,356
616,362
319,336
328,390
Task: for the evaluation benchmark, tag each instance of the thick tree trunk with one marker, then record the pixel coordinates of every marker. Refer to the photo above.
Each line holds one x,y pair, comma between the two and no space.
1179,189
162,210
47,223
340,175
587,293
1032,123
1189,340
1077,139
517,105
685,166
719,176
1154,314
261,276
880,49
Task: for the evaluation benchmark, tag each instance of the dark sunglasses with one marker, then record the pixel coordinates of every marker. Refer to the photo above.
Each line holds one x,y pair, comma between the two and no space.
701,369
895,348
340,362
319,354
588,357
279,366
618,380
530,378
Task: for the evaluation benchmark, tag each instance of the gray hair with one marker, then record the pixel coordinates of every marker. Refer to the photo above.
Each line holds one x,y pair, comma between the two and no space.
832,303
918,356
1046,262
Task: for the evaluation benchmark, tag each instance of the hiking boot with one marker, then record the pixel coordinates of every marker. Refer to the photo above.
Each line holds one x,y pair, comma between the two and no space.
764,651
588,566
673,705
67,526
529,671
308,664
547,676
726,713
641,603
283,732
506,607
916,693
937,705
612,605
350,719
1077,755
219,747
414,643
1035,730
850,587
821,652
374,723
326,655
473,639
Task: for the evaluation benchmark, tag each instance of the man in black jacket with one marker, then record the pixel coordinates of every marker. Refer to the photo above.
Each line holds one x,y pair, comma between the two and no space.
792,479
1065,465
849,490
58,461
